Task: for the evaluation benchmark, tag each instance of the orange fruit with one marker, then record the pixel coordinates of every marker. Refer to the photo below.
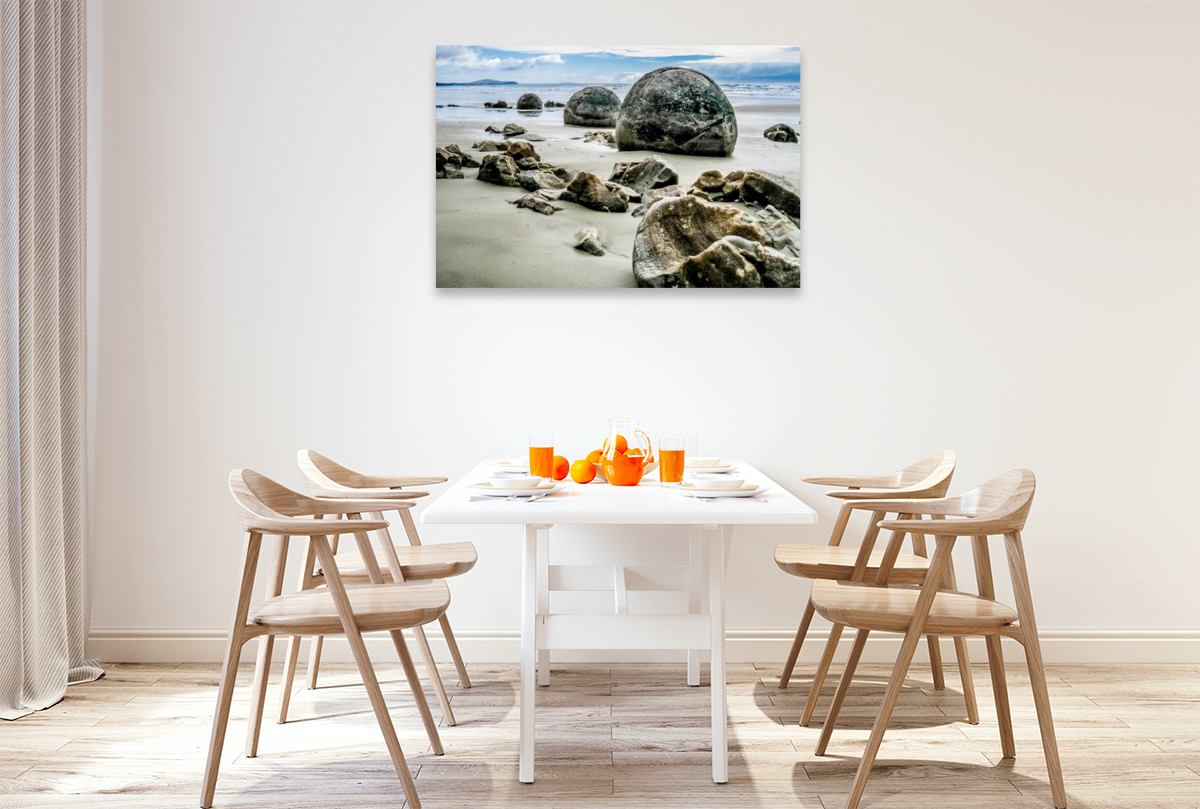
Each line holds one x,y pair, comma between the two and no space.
560,467
634,451
595,455
622,445
583,471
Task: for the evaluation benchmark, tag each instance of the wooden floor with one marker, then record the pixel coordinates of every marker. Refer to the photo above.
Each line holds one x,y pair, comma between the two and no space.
610,736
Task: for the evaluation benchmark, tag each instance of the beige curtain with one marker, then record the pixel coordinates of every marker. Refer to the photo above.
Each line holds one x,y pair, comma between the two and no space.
43,496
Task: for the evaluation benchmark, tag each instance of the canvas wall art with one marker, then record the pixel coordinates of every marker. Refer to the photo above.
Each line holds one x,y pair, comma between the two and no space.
652,167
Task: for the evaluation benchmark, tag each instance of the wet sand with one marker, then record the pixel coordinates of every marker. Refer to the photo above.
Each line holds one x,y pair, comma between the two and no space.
484,242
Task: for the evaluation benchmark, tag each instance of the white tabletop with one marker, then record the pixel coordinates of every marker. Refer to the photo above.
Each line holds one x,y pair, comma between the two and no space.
648,503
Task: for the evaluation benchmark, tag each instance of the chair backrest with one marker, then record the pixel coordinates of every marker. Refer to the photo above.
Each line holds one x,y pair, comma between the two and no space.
260,500
935,468
928,477
1003,501
322,473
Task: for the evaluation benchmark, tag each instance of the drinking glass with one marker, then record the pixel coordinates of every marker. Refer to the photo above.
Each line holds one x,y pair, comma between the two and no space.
671,455
541,455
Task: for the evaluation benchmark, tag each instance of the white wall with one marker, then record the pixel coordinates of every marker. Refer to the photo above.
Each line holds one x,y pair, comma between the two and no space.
1000,249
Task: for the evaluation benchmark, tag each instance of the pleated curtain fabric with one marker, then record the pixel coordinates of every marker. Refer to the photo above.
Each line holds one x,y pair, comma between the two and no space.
43,494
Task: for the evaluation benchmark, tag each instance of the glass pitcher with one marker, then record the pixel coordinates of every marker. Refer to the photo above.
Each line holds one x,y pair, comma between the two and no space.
628,453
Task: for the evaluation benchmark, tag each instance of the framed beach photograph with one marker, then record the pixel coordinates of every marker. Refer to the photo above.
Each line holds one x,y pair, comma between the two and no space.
644,166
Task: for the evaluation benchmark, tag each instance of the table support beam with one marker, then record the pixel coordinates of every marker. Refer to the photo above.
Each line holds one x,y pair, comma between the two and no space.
718,545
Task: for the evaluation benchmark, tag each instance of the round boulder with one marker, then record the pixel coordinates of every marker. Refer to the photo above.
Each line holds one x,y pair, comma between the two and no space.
679,111
529,101
781,133
592,106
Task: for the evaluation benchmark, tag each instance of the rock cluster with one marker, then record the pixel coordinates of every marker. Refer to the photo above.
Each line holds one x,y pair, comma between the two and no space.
600,136
592,106
782,133
499,169
555,104
752,187
497,105
686,241
590,191
679,111
450,160
529,101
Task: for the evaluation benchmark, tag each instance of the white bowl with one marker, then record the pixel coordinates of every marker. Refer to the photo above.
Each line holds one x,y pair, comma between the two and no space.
519,461
723,483
518,482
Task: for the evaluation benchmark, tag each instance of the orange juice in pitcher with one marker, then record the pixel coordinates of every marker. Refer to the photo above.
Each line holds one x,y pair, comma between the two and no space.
627,453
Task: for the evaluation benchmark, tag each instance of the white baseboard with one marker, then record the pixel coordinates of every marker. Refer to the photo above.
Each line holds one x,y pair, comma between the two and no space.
742,646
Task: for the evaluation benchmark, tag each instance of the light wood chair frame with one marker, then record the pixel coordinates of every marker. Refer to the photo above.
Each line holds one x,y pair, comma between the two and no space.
996,508
326,478
927,478
267,509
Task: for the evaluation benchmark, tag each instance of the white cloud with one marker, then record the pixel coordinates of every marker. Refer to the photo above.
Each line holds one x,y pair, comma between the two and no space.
719,54
461,57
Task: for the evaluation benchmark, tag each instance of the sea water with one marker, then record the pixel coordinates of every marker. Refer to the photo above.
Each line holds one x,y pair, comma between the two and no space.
757,106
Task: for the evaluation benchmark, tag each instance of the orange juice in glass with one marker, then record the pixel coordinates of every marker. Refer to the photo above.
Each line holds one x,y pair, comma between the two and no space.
541,455
670,457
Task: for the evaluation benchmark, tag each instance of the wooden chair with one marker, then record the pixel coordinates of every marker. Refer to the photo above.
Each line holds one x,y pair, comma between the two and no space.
265,507
406,563
928,477
998,507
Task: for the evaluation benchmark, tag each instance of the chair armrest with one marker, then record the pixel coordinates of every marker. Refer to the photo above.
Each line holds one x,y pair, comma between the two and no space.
949,528
361,494
308,528
878,494
915,505
348,505
397,481
855,481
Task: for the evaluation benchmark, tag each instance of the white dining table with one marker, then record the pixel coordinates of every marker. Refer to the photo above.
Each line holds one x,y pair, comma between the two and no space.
649,503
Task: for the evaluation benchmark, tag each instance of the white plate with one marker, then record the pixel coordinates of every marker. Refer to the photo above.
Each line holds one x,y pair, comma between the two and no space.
708,465
709,470
498,489
509,466
747,490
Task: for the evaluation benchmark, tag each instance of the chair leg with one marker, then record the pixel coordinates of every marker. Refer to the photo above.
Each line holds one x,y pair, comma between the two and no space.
935,662
220,721
289,676
258,694
464,680
790,663
968,682
314,661
233,651
414,684
1037,669
839,697
835,634
1008,742
434,676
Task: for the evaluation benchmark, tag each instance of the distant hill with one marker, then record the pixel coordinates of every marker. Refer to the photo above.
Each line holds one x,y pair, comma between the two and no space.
471,83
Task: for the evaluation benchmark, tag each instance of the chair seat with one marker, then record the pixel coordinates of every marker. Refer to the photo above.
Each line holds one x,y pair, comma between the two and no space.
889,608
837,563
376,607
417,562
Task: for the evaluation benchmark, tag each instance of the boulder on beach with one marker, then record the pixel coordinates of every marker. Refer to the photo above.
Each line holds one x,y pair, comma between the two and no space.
500,105
592,106
679,111
781,133
710,182
678,228
499,169
464,159
651,197
536,202
529,101
541,180
447,158
761,188
643,175
512,129
588,240
520,149
685,241
532,136
489,146
590,191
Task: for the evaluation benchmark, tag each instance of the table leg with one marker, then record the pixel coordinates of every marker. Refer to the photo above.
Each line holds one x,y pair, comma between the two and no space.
716,607
695,563
543,599
528,650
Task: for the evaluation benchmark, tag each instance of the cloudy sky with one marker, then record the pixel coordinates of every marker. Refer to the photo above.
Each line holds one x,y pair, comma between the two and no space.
595,65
